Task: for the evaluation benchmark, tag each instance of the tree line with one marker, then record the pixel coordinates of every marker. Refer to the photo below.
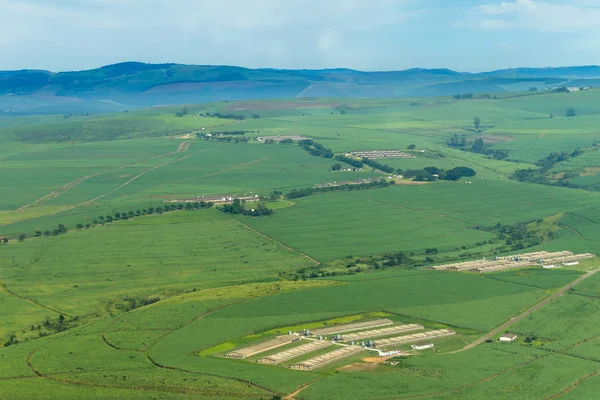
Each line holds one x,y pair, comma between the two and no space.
125,215
239,208
477,146
297,193
315,149
546,164
434,173
365,161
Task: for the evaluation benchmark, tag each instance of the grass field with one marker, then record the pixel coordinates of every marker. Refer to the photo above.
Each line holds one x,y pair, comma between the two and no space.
182,251
145,307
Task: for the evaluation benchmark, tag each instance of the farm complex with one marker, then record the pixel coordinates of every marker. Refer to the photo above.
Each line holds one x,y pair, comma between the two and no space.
346,344
380,154
125,273
539,258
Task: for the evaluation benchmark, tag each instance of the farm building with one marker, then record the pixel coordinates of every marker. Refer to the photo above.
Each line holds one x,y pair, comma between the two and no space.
249,351
422,346
543,258
388,353
508,337
416,337
382,332
327,358
378,154
295,352
352,327
278,139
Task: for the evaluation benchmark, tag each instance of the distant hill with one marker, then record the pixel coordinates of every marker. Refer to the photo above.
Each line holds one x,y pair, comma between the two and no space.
133,84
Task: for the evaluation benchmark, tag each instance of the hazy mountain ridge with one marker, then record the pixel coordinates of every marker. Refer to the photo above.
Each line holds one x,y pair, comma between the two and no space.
135,84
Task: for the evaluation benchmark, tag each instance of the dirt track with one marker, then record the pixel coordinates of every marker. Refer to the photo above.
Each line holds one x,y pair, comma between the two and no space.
527,312
183,147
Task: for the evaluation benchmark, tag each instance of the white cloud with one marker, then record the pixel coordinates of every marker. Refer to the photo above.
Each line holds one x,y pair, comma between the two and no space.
537,15
85,33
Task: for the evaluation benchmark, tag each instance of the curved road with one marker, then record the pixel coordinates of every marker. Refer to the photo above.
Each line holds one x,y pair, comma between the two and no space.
528,311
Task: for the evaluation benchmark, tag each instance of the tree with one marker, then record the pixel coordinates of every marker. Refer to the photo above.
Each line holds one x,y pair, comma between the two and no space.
477,122
47,232
189,206
22,237
87,226
478,146
62,229
79,226
342,112
38,233
336,167
411,147
255,116
185,111
101,218
533,89
109,218
4,240
571,112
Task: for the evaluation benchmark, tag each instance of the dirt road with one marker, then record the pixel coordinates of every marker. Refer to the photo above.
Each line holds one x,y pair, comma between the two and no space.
526,313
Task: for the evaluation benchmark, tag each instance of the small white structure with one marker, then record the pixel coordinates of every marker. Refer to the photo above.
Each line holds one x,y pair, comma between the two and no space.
570,264
550,266
388,353
508,337
422,346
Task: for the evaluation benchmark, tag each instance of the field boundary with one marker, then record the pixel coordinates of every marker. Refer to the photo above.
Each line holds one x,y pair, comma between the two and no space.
32,301
535,307
133,179
573,386
183,147
277,241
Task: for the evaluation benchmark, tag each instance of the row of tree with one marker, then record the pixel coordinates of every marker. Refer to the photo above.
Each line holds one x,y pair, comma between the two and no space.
477,146
102,219
546,164
315,149
348,160
297,193
434,173
377,165
238,207
365,161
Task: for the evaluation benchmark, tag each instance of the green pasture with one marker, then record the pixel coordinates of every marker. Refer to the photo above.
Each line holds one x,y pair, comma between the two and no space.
214,282
182,250
412,218
564,324
537,277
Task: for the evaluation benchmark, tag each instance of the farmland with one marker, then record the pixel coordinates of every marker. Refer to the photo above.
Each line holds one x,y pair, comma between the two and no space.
108,290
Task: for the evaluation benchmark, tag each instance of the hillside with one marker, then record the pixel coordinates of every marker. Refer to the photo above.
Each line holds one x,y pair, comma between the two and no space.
126,273
135,85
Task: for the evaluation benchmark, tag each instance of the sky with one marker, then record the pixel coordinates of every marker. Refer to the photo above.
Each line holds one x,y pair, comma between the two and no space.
464,35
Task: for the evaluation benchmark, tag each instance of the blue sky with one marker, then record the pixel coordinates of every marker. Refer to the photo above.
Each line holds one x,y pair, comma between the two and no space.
465,35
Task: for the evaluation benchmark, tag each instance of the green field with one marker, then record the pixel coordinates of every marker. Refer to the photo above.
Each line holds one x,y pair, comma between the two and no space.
146,306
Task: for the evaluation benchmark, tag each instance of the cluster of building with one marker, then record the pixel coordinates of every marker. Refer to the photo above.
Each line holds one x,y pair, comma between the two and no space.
341,183
378,154
348,339
295,138
544,258
219,199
